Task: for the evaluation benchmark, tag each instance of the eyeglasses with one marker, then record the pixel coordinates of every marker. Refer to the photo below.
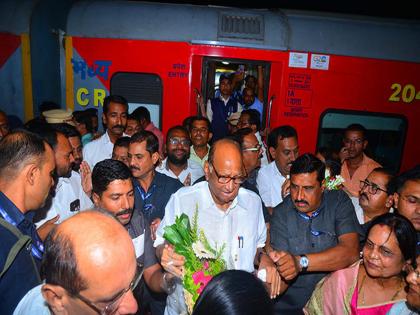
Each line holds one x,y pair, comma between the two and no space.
410,199
226,179
183,141
373,188
115,303
257,148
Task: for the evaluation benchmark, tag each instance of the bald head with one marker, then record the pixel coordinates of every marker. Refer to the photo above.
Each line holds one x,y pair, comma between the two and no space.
88,246
225,149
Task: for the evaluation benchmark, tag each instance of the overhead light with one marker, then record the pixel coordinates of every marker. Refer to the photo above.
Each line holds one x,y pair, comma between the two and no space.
225,62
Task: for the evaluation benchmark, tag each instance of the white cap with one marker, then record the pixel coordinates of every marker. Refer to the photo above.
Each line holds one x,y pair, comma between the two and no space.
57,116
234,118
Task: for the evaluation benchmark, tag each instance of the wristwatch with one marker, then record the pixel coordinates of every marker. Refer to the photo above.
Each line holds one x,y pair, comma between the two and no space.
304,263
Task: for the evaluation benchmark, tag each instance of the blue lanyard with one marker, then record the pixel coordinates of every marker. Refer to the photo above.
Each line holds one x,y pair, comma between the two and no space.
309,218
37,248
147,207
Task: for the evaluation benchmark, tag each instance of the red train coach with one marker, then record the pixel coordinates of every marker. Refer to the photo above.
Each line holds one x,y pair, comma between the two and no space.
321,72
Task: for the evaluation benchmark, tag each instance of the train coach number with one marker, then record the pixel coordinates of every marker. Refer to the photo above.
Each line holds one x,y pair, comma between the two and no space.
407,92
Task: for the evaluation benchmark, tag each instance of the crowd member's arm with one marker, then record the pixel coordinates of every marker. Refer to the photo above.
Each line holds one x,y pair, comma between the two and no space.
265,265
276,284
209,112
338,257
86,177
285,188
170,261
45,228
260,87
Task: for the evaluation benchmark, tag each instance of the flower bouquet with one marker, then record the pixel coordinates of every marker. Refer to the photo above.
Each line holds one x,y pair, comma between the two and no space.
202,262
332,182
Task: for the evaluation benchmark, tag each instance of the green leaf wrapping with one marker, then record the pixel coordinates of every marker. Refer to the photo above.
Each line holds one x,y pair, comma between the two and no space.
172,236
183,227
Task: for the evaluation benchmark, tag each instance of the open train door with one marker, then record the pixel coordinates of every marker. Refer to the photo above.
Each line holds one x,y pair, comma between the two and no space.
240,69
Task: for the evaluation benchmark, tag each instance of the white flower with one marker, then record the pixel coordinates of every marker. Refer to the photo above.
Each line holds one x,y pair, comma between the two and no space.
201,252
334,182
327,172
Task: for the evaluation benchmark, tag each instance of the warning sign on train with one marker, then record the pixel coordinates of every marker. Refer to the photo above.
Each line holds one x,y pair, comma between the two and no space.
298,95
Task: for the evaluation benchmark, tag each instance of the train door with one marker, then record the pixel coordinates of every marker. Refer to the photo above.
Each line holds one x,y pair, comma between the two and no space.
242,71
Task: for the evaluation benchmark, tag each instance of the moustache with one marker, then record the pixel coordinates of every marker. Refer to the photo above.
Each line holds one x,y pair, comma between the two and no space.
118,127
126,211
134,168
301,201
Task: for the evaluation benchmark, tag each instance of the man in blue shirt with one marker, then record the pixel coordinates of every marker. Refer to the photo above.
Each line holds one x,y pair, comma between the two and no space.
252,102
26,176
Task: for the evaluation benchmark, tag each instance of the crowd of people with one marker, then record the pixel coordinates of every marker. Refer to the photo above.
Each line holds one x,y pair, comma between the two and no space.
83,216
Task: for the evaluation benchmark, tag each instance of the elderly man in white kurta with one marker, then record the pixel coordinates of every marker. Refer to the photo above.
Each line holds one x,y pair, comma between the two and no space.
226,213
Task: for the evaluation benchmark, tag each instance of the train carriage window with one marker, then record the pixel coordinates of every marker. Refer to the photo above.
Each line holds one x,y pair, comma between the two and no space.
385,133
213,68
140,89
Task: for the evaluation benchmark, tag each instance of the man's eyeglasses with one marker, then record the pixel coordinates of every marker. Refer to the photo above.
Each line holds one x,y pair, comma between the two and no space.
372,188
226,179
257,148
111,307
183,141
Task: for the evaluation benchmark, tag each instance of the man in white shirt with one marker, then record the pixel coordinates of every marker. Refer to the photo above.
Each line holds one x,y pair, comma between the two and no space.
115,112
68,197
272,181
226,213
177,164
375,196
250,118
200,136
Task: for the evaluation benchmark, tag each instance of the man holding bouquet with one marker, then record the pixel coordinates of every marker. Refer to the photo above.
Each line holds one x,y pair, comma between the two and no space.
229,216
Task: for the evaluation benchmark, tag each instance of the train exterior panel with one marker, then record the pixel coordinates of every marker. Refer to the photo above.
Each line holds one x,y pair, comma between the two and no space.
321,71
306,85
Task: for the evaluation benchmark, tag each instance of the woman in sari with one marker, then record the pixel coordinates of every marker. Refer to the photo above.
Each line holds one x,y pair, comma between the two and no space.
373,285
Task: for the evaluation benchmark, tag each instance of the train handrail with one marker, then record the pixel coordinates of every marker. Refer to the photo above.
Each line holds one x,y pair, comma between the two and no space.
270,104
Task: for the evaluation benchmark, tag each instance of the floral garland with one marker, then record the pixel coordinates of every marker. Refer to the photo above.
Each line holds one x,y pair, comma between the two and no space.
202,262
332,182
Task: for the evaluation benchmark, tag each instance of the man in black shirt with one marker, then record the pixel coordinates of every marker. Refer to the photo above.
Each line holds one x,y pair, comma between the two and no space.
313,232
